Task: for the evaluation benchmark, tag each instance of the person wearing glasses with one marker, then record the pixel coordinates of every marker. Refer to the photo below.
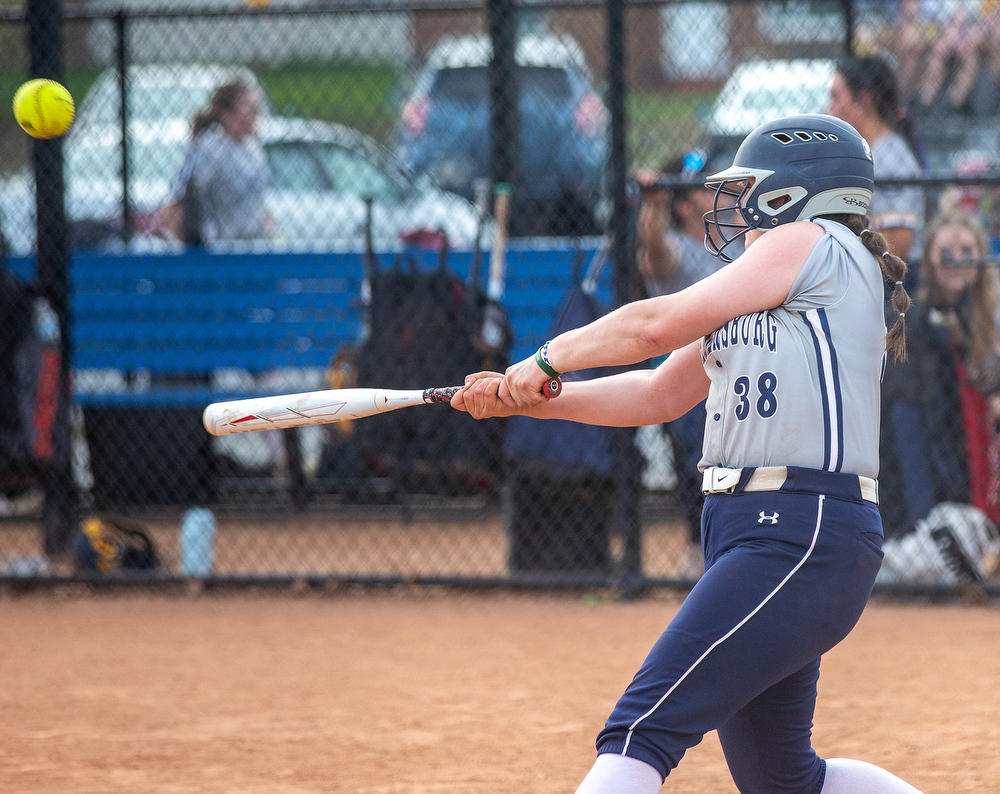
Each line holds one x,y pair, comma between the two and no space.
939,407
671,256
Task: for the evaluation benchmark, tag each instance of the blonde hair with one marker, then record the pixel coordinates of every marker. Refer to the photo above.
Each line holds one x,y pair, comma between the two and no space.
980,340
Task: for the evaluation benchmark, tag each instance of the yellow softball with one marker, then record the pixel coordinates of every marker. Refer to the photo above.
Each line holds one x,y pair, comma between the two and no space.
43,108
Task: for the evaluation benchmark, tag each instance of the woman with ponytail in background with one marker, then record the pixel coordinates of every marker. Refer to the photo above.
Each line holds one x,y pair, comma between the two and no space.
219,195
865,94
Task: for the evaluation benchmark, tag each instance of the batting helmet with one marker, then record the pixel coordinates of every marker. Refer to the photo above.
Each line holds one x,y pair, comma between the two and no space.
791,169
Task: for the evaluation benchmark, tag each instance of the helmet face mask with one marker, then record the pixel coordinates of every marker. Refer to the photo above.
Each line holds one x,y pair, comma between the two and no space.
725,223
790,169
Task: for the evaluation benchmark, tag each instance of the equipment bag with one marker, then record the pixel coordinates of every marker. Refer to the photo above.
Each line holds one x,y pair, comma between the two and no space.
425,328
33,436
108,543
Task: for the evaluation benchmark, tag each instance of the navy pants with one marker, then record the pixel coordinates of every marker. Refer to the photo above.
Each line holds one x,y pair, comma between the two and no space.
787,576
687,435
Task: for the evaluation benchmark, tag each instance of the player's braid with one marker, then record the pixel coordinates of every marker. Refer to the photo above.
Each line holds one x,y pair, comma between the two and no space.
894,270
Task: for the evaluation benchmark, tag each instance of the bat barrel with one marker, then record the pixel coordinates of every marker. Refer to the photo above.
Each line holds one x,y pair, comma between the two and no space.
294,410
313,408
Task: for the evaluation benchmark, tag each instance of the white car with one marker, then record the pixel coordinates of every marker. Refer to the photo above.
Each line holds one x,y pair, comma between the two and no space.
321,176
759,91
160,92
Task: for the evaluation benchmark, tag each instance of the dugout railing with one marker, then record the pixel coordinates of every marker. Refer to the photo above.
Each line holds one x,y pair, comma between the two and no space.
437,103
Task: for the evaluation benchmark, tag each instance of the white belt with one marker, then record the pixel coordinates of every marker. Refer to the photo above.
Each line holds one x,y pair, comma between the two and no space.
770,478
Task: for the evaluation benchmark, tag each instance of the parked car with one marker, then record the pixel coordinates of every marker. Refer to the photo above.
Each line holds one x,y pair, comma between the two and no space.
759,91
445,129
321,174
762,90
160,92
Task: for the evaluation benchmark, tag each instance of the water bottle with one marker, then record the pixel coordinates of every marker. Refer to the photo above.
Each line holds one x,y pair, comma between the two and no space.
46,321
197,542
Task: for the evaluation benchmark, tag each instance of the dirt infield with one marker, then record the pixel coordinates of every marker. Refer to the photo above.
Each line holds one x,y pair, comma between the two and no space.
425,691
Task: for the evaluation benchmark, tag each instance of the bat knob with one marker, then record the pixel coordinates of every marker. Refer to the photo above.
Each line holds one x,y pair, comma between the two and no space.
552,388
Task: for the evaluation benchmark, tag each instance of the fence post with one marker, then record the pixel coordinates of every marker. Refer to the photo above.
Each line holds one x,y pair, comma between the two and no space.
847,7
44,18
505,122
626,462
121,61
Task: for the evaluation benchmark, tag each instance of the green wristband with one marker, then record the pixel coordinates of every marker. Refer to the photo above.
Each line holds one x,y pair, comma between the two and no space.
544,365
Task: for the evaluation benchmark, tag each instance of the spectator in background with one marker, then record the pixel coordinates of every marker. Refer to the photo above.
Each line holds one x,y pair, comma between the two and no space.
219,194
958,53
671,256
219,197
865,95
939,408
913,32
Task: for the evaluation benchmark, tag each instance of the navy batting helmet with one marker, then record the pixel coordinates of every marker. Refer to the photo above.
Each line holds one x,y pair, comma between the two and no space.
791,169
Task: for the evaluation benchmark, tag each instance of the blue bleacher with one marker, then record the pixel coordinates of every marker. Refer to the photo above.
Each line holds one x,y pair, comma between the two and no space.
194,312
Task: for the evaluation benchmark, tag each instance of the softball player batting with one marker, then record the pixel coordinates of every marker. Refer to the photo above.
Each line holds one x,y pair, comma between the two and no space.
788,344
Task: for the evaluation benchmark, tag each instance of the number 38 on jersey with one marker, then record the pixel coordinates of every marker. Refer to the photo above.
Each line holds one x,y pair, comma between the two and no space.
756,395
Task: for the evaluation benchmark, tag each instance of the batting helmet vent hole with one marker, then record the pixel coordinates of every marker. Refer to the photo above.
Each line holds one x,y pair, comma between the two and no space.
819,136
782,137
803,136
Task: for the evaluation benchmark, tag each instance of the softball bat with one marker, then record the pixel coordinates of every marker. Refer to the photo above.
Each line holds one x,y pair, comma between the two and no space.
324,407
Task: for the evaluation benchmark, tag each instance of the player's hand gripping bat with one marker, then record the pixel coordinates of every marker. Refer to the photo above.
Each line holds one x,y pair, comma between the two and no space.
324,407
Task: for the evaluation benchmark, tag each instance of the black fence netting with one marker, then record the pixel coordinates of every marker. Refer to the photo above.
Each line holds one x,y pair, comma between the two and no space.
279,198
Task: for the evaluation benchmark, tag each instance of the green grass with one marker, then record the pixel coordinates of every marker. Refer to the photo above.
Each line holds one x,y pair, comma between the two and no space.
662,126
368,96
359,95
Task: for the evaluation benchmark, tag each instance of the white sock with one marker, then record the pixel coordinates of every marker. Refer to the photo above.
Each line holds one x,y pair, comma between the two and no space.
619,774
847,776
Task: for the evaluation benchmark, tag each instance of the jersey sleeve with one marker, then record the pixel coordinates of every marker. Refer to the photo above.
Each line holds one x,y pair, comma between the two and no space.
825,277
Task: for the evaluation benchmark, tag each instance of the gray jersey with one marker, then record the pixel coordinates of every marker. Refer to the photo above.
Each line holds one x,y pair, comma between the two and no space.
799,385
230,178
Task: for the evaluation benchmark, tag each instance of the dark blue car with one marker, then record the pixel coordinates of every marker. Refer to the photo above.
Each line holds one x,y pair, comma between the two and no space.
446,130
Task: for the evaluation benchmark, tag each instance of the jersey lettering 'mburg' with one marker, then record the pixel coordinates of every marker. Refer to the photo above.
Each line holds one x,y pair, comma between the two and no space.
759,329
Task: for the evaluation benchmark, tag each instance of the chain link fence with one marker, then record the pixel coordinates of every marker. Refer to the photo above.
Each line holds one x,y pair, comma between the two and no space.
302,196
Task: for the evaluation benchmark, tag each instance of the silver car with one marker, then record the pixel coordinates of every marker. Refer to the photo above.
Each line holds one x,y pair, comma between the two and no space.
321,176
160,92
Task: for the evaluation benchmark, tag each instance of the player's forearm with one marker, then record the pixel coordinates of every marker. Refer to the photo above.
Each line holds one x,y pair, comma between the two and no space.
631,334
622,400
634,398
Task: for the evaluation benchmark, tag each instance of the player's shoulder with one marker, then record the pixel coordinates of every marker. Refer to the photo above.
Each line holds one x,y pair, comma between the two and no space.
795,239
776,258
